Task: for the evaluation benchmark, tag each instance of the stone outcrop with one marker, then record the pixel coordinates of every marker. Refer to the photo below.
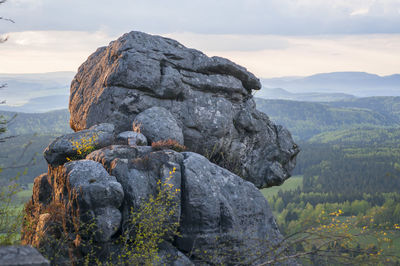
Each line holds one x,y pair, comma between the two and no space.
107,173
21,255
204,102
219,213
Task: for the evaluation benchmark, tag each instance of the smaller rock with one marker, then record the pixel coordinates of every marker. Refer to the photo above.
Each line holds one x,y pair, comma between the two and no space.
21,255
131,138
98,195
106,155
62,148
157,123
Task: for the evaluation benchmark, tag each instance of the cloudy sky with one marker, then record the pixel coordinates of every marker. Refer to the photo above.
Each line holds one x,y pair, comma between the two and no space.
270,37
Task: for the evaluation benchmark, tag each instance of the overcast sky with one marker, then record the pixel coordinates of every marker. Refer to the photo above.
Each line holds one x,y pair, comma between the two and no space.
269,37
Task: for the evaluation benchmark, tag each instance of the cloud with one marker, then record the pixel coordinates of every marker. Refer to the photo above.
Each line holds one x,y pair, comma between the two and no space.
358,12
278,17
264,55
48,51
230,42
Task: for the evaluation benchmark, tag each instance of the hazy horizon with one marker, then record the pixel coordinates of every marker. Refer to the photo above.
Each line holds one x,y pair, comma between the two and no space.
272,77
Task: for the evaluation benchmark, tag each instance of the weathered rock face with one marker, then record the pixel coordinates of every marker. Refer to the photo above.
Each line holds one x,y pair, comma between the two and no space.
222,218
218,219
209,99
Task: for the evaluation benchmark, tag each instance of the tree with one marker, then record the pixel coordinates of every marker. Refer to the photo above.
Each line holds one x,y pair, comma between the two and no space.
3,39
3,120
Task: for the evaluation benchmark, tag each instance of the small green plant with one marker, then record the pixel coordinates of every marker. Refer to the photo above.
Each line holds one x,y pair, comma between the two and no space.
224,158
83,146
61,232
156,220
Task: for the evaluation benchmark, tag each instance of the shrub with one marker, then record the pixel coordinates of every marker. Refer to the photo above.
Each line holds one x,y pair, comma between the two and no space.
170,144
10,215
62,236
156,220
83,146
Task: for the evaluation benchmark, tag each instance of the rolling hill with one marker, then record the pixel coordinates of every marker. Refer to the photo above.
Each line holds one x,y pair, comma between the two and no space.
360,84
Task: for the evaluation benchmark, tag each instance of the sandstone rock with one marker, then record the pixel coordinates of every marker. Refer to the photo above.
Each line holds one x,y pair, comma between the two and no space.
21,255
139,176
157,123
209,98
42,192
215,218
61,148
218,219
131,138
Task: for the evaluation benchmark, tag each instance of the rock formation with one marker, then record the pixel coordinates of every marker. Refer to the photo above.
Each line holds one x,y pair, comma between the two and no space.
104,175
21,255
209,101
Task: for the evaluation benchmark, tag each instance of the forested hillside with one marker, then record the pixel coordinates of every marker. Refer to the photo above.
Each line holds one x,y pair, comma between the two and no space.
54,122
21,155
307,119
349,161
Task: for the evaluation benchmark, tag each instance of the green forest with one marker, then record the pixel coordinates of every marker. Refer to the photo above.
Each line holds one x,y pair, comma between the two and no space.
349,162
27,136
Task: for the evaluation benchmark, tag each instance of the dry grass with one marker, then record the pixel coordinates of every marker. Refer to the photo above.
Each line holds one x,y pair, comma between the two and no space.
136,127
169,144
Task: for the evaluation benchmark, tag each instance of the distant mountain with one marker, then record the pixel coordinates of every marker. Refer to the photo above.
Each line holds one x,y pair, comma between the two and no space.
40,104
278,93
360,84
21,88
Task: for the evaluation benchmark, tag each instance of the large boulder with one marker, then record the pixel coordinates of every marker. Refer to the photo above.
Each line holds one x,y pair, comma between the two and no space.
96,197
208,100
218,222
